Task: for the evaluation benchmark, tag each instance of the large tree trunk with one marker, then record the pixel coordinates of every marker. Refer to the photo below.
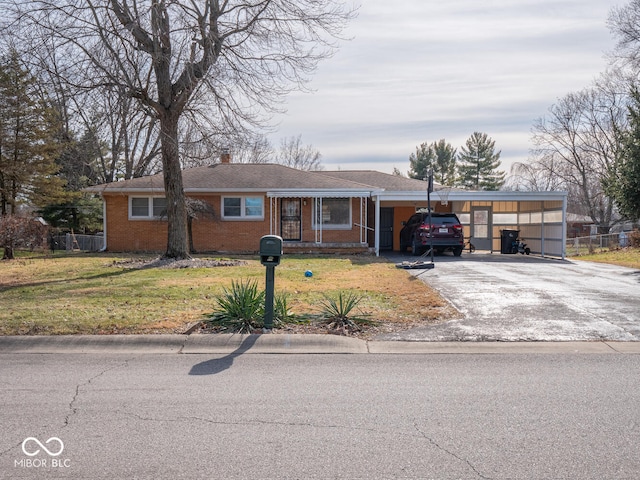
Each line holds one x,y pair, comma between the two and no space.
177,243
8,253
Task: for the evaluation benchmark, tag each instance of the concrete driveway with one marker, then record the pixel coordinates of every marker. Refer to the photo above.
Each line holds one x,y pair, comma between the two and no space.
528,298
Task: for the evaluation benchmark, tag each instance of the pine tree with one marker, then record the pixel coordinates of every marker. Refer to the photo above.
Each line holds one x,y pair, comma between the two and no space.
624,187
27,146
444,170
421,161
478,163
439,156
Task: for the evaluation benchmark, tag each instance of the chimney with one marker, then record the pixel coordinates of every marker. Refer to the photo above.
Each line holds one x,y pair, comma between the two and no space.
225,156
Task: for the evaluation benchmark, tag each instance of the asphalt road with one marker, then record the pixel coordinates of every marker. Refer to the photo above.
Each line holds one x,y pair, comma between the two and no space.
528,298
495,416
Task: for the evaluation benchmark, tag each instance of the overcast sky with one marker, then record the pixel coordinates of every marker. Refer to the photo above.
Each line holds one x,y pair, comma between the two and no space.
422,70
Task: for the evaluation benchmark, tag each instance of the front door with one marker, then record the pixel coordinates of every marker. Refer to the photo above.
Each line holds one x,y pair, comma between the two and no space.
386,228
290,219
481,228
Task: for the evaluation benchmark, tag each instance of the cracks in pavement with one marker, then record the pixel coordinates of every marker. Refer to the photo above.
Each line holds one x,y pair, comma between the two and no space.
73,410
4,452
420,433
252,422
449,452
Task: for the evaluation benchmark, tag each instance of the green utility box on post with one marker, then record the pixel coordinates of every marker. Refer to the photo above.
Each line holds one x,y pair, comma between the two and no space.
270,254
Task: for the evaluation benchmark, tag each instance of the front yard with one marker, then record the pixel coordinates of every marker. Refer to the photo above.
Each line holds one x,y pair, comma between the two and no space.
109,293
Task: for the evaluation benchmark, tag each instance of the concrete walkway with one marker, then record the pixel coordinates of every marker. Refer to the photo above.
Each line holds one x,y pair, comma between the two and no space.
226,344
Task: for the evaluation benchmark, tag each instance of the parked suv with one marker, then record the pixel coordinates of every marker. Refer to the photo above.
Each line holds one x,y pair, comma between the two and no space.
445,233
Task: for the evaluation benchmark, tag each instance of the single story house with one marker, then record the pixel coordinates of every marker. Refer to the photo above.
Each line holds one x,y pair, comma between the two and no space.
319,211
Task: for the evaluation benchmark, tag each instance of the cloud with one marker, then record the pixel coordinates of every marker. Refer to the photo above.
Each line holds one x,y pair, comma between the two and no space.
419,71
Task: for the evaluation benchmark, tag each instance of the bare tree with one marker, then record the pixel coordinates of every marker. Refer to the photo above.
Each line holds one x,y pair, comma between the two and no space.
20,232
129,133
237,57
254,150
296,155
624,23
577,146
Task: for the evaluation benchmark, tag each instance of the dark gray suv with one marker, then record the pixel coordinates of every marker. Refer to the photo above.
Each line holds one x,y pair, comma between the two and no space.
444,233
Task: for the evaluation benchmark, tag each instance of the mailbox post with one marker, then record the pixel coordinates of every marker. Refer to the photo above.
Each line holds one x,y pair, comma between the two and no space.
270,253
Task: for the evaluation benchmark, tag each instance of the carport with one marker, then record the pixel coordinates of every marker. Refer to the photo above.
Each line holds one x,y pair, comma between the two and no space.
539,216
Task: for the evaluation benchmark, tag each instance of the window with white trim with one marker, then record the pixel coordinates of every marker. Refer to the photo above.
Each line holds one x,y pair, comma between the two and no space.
147,207
336,213
243,208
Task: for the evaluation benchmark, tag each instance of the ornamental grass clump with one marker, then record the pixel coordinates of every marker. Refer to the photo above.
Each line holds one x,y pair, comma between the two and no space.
240,308
281,312
339,313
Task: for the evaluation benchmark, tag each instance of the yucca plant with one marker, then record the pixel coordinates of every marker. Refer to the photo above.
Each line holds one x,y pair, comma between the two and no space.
240,309
281,312
340,312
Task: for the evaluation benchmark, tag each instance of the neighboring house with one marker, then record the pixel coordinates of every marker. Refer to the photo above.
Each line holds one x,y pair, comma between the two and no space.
579,225
319,211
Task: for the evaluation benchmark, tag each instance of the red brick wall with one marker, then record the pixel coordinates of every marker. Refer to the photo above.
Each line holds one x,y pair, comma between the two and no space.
228,235
125,235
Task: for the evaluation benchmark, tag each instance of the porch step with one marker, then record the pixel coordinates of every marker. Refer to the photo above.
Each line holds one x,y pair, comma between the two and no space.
312,247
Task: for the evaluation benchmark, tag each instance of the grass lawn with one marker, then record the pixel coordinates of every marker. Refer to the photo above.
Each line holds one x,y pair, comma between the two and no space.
98,294
625,257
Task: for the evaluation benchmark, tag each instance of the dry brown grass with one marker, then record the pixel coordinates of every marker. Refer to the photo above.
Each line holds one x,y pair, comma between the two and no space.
96,294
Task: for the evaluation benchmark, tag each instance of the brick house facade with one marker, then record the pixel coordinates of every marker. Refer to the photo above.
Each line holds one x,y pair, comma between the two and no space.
321,211
310,210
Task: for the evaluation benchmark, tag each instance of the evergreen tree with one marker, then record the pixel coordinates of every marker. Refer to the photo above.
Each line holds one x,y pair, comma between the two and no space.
478,163
444,171
438,156
624,187
421,161
27,145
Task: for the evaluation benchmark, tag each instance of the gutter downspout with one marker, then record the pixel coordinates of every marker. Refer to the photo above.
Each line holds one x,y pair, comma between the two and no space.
104,226
376,232
564,226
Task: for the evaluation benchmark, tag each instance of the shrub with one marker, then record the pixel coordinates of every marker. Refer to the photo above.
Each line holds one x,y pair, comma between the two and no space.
20,232
634,238
281,312
339,312
240,309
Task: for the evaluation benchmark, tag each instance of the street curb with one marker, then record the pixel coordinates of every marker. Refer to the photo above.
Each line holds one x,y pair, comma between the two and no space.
92,344
225,344
273,343
502,347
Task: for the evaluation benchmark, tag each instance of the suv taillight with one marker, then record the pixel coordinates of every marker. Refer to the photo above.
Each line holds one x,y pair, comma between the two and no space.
457,228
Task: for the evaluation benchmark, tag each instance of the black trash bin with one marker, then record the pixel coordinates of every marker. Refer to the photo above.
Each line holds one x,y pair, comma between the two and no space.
508,241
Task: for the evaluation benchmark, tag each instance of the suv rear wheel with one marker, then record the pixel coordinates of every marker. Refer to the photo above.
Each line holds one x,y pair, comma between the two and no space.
416,247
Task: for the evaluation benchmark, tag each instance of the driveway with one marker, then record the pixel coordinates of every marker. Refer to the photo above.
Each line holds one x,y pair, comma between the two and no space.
528,298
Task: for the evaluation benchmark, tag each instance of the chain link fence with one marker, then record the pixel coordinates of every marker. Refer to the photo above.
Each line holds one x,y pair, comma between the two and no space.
597,243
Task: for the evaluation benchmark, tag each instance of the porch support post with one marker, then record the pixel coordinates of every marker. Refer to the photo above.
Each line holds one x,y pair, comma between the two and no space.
318,218
271,215
564,226
542,232
376,227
